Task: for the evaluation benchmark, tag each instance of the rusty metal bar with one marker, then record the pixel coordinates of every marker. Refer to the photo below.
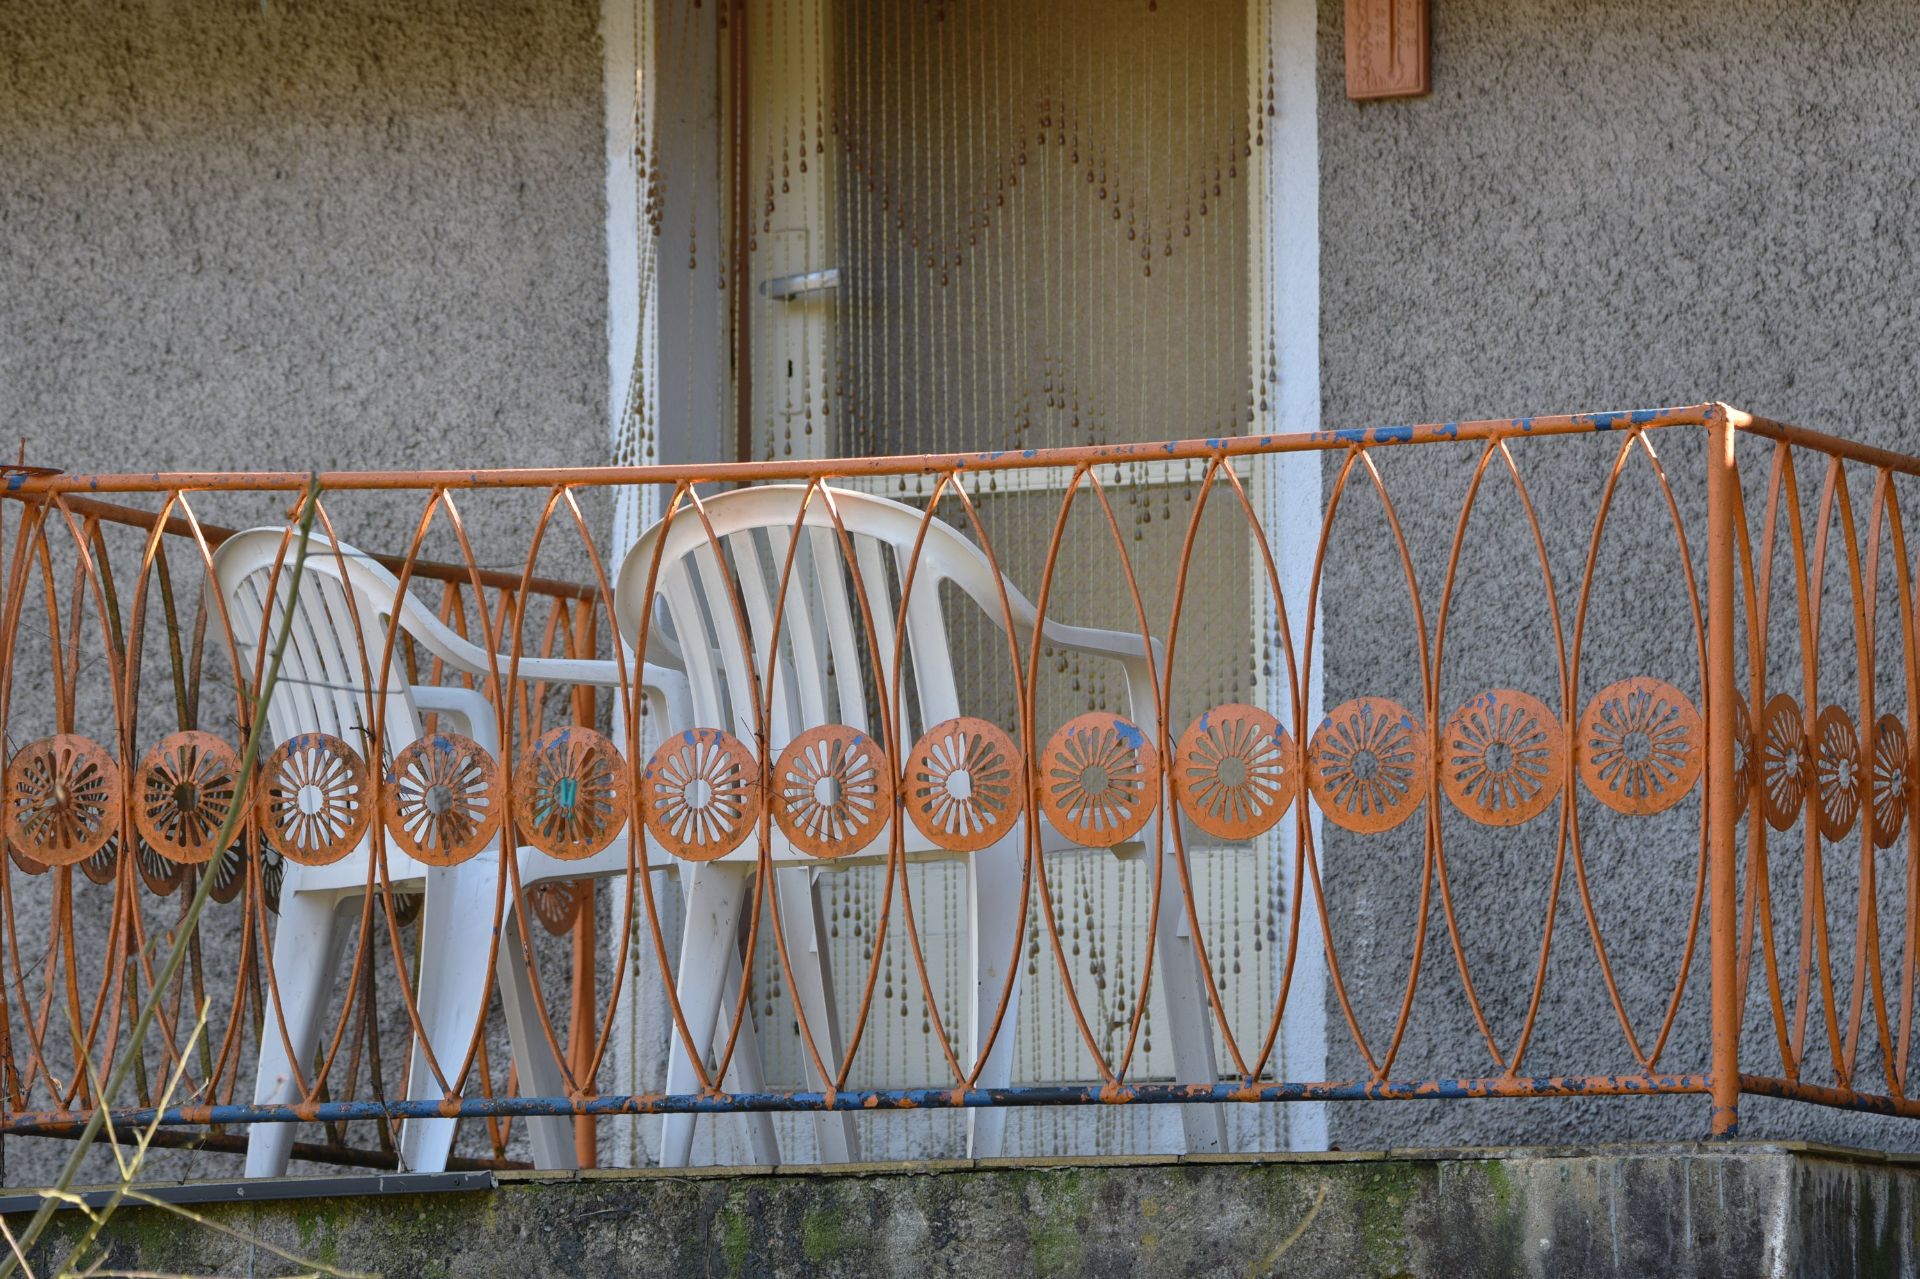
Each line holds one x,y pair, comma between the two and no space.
1723,800
434,570
918,464
887,1099
226,1143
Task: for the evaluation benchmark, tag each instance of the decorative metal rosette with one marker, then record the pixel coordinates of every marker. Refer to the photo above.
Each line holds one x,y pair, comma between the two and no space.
441,804
1368,765
1234,771
1892,782
1642,746
570,793
161,875
103,866
312,801
1100,778
832,791
229,874
1783,761
1503,757
183,794
557,903
702,791
63,799
1745,754
234,869
1836,772
962,786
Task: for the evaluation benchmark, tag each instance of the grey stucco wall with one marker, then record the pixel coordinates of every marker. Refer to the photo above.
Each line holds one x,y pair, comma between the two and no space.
343,235
339,235
1602,205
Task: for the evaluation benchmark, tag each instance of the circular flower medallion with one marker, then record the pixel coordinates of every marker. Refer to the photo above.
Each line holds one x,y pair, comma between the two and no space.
963,784
1892,784
63,799
1783,761
570,792
832,791
1234,772
442,802
1502,758
104,866
160,874
1100,779
1641,746
1367,765
1836,772
702,792
229,874
313,801
184,792
1745,756
234,871
557,903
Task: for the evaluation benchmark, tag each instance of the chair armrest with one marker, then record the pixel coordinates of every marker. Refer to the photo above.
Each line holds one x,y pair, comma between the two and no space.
665,689
1137,659
470,705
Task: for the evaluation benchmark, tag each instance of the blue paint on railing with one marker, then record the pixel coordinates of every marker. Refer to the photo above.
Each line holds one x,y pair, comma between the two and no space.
882,1099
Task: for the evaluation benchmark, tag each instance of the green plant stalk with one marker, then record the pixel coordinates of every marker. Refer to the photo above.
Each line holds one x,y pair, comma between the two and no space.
190,923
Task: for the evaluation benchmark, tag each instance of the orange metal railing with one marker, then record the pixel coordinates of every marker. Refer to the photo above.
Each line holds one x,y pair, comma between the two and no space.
127,705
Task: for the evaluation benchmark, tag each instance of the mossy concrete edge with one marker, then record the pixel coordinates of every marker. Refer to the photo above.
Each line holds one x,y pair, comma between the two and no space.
1775,1209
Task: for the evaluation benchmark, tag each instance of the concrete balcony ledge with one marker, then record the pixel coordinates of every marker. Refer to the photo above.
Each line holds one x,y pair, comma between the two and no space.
1746,1209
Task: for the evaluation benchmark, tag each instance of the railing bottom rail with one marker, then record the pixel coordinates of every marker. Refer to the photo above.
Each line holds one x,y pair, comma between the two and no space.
1148,1094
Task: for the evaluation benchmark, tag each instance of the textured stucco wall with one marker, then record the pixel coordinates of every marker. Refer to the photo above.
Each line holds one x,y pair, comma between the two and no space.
345,234
1602,205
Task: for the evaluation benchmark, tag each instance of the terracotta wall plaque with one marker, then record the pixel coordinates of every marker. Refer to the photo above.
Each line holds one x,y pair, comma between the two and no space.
1387,48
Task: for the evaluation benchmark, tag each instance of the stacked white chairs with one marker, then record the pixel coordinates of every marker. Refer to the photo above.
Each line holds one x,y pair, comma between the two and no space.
339,626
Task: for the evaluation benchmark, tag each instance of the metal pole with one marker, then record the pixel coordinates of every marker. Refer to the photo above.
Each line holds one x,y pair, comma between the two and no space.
583,1024
1722,802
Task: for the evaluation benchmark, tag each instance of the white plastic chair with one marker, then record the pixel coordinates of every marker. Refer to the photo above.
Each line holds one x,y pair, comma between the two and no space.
818,680
323,688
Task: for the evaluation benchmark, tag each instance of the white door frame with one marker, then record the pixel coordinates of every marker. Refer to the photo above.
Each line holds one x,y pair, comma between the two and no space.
1289,483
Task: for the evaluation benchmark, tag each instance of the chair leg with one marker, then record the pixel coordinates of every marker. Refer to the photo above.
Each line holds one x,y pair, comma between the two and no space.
1189,1013
838,1138
743,1069
456,915
306,951
539,1071
993,919
715,893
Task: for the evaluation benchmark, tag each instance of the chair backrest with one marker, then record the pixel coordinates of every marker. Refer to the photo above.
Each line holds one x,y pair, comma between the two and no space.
824,669
333,650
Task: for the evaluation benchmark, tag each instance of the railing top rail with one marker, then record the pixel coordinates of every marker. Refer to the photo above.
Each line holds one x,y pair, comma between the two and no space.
922,464
431,570
1822,442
